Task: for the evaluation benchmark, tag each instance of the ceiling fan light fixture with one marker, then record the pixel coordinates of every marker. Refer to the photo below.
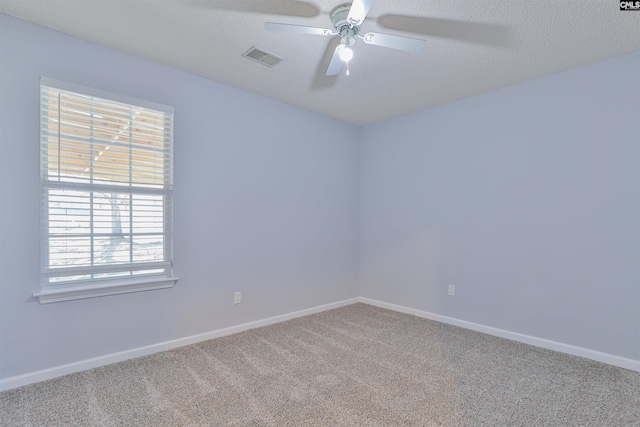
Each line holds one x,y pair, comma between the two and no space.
346,54
347,19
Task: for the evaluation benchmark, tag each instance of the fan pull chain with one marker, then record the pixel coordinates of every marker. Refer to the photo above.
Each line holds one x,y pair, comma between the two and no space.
347,68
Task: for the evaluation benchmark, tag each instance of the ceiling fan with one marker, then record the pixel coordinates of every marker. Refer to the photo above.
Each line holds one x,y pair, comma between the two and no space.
347,20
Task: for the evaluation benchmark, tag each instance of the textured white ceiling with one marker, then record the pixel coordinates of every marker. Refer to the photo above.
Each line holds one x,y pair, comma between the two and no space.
473,46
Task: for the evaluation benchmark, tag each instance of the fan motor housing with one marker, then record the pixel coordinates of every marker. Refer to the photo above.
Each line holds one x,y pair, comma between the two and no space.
339,18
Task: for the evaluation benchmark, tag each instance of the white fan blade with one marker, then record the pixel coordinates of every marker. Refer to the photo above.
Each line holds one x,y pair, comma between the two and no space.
395,42
289,28
336,64
474,32
358,11
297,8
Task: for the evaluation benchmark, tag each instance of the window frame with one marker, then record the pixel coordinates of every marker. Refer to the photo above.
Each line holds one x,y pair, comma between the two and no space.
100,287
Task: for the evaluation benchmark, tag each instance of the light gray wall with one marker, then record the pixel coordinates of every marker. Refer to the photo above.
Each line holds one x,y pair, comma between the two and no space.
527,199
265,203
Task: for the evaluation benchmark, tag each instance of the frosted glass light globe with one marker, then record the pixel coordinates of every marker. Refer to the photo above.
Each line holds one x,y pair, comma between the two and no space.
345,53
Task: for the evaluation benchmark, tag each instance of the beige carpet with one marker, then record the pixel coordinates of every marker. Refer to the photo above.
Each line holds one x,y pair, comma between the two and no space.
354,366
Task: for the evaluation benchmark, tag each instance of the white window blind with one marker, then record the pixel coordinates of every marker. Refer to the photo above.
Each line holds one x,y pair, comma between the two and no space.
107,178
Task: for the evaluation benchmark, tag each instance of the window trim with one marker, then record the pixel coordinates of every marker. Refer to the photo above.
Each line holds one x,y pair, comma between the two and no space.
97,288
74,292
72,87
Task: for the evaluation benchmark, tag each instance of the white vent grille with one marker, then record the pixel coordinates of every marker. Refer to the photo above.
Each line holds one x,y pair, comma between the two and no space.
262,57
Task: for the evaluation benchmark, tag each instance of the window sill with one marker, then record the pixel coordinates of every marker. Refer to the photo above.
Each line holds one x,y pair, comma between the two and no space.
69,293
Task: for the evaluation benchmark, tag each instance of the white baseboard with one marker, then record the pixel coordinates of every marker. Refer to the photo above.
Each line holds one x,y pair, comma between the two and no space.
83,365
610,359
57,371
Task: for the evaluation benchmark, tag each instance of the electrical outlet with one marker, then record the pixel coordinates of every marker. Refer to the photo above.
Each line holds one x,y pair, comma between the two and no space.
237,298
452,290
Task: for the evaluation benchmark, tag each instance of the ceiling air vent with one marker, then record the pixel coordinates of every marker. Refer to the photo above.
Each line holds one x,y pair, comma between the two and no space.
262,57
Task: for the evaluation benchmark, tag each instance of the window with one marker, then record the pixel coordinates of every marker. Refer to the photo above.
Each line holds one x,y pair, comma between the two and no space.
107,177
